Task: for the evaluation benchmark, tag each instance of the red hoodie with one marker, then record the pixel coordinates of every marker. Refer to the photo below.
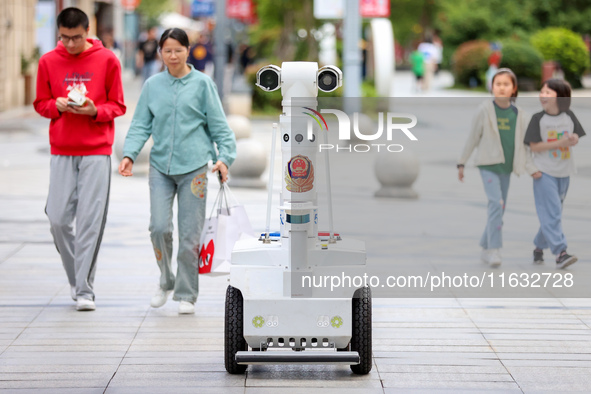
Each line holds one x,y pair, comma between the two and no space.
100,71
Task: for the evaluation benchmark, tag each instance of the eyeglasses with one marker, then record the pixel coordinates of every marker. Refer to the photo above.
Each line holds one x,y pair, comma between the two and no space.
176,51
76,39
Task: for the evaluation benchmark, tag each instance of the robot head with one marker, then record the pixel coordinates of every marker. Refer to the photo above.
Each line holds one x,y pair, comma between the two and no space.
327,78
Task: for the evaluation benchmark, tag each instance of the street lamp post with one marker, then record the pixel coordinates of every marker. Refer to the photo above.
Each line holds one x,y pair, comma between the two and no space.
351,52
219,57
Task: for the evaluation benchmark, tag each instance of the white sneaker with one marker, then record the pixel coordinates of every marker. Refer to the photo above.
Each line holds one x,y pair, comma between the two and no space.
84,304
484,256
160,298
494,257
73,292
186,308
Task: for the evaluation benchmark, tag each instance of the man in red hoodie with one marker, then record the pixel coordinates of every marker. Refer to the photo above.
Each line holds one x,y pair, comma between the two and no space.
79,88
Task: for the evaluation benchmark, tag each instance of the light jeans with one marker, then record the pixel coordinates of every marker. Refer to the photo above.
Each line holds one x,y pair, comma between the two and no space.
549,194
496,187
191,192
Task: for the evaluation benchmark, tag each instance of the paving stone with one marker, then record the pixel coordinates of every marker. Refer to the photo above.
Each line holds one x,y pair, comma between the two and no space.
560,386
321,390
58,368
458,390
40,352
177,379
61,390
52,376
441,369
188,366
180,390
174,360
51,384
453,385
441,344
308,376
47,359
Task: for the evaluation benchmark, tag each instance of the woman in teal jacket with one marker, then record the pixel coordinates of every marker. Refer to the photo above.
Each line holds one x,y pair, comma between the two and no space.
180,108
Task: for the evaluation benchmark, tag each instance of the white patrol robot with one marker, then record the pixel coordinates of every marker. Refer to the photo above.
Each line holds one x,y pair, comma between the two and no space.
279,322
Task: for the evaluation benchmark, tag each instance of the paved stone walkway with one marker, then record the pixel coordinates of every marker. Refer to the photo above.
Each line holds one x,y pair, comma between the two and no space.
420,345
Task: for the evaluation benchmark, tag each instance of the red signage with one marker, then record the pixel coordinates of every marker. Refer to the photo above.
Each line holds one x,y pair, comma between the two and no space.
239,9
130,5
374,8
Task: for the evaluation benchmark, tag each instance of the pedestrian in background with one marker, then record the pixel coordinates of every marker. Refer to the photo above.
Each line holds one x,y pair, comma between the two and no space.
147,58
498,131
417,62
181,110
201,55
431,56
79,88
551,135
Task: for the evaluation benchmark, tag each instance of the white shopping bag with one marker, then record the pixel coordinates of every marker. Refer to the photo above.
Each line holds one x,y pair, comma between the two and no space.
221,232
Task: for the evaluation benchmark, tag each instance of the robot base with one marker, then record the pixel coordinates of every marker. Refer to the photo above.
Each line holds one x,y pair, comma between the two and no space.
335,337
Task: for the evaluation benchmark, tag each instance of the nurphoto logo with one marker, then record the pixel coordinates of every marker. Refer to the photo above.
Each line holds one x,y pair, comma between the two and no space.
393,122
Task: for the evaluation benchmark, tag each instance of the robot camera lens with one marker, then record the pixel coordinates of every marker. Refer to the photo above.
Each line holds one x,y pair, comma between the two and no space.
270,79
327,81
299,137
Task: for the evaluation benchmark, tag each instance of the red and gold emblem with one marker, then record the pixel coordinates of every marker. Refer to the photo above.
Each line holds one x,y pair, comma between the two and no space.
299,174
198,185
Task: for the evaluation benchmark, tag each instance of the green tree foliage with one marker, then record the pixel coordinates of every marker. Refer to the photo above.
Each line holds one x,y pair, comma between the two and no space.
279,21
565,47
276,34
152,9
412,19
525,61
464,20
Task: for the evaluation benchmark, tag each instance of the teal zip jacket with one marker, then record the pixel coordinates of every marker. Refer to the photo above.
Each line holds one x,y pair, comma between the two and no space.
185,117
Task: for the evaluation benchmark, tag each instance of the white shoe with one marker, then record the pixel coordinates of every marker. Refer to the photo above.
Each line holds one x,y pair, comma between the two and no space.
160,298
73,292
484,256
186,308
494,257
84,304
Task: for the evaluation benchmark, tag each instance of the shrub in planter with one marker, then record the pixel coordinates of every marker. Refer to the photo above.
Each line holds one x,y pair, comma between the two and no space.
566,47
471,61
525,61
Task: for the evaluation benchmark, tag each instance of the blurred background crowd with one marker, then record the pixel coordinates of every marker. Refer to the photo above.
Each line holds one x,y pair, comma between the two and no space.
470,38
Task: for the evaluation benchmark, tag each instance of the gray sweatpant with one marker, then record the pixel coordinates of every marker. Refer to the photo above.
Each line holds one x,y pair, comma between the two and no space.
79,191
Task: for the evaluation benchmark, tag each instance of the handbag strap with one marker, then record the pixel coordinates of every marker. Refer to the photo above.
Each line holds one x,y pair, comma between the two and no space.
217,203
233,201
224,198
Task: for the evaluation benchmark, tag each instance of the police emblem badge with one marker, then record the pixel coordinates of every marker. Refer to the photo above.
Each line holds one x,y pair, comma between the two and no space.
299,174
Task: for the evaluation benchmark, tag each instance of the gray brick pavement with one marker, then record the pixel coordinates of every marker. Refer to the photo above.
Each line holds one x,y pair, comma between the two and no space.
420,345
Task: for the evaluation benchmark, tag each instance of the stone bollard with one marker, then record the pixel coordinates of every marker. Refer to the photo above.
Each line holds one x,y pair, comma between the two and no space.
250,163
141,165
396,172
240,103
240,125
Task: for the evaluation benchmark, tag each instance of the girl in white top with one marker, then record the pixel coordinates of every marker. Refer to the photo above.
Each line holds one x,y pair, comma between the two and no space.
551,135
497,131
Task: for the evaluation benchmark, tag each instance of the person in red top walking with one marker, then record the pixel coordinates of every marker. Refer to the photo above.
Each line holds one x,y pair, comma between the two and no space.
79,88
